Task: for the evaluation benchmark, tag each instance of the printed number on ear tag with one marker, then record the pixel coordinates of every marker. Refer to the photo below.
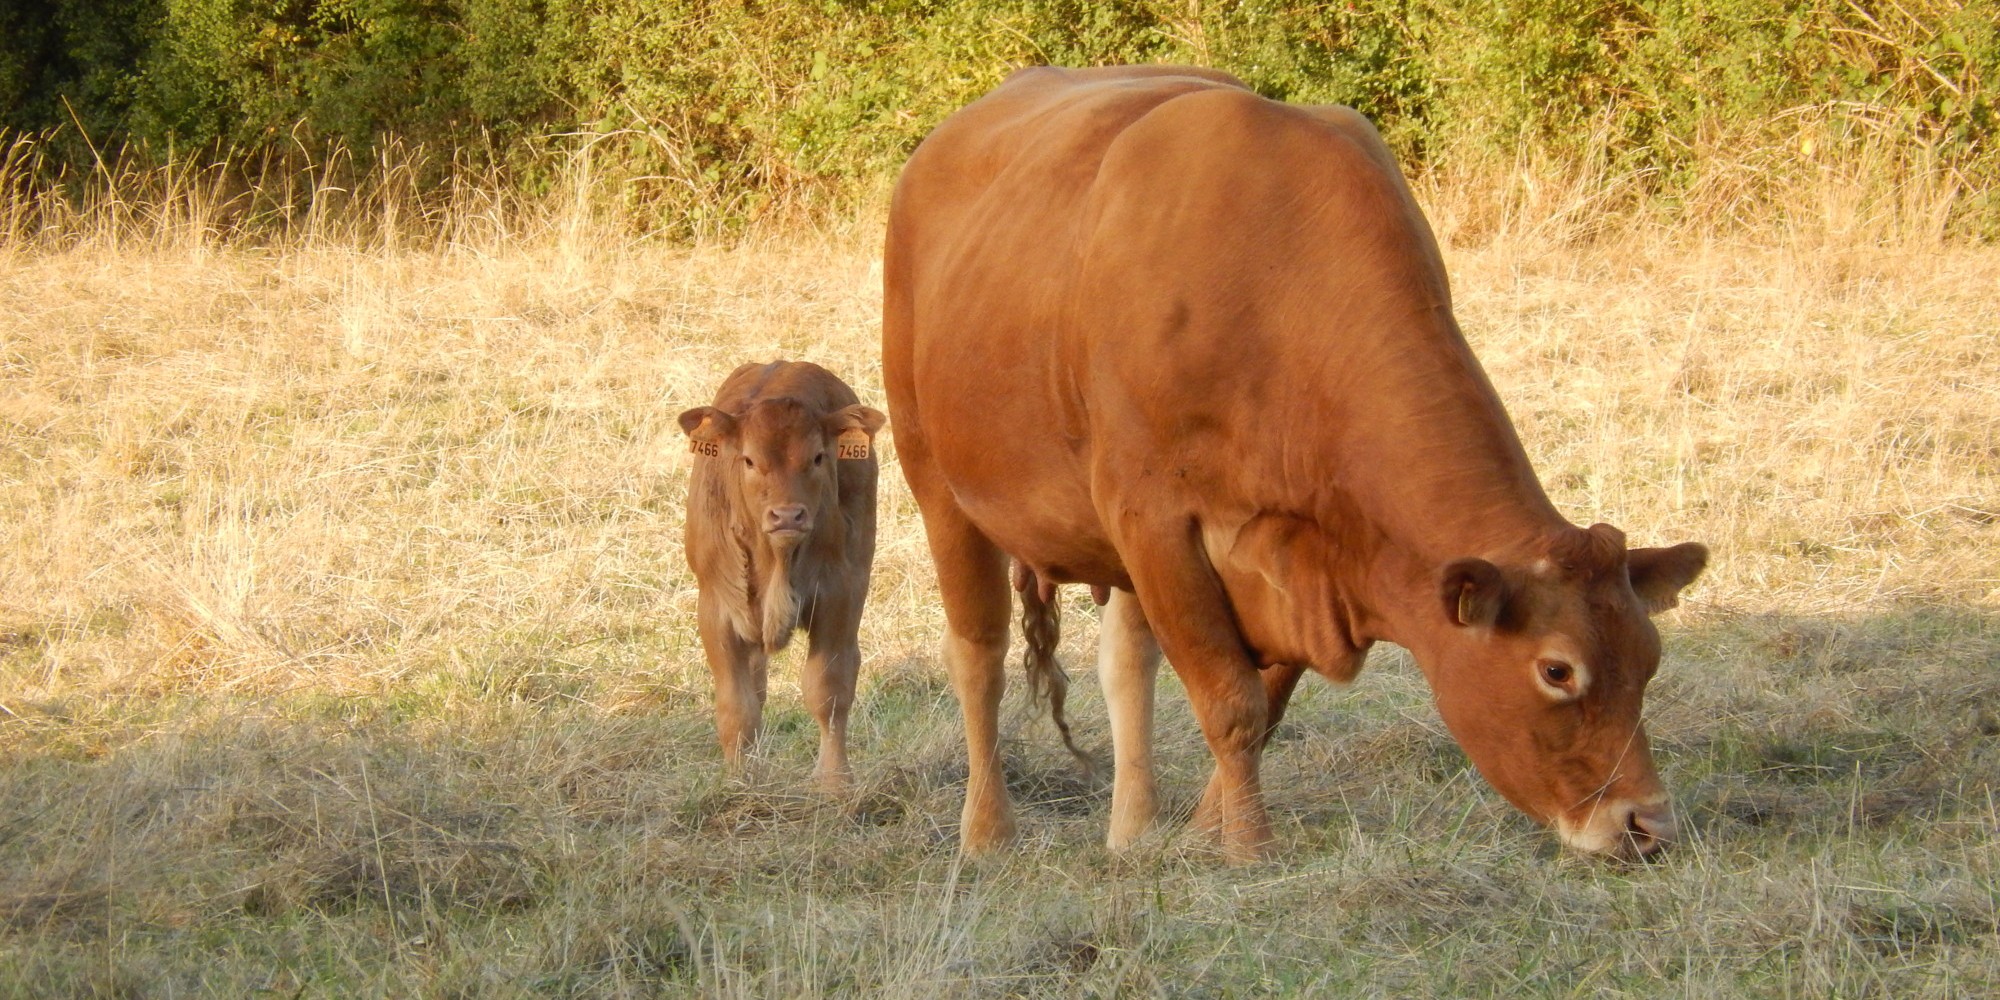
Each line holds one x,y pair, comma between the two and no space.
707,448
852,444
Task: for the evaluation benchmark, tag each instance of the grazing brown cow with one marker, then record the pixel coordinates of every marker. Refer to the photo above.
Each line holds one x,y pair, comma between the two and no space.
1146,330
781,536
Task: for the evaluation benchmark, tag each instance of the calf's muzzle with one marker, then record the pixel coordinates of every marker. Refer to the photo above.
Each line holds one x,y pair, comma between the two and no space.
791,518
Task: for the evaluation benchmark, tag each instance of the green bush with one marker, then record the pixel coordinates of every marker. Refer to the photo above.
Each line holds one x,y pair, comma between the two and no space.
723,107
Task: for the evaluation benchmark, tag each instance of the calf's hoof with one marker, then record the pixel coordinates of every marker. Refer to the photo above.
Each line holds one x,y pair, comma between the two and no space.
834,780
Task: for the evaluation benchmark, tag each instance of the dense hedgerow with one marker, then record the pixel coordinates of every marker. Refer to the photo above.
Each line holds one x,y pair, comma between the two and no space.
722,107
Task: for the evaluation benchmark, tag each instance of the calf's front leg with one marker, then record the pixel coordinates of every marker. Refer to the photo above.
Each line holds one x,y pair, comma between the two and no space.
832,661
740,670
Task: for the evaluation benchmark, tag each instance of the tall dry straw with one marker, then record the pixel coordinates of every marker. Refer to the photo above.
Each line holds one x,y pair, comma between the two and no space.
345,645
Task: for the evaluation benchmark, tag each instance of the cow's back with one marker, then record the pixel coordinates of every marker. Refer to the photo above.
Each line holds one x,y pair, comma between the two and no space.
984,236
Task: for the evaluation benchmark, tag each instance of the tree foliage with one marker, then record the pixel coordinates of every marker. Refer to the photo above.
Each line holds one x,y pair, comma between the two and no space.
757,99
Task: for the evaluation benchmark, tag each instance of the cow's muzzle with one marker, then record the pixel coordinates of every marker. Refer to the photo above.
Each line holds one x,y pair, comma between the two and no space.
1628,829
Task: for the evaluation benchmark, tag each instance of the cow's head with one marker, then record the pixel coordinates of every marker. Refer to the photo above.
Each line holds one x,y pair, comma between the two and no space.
782,456
1540,674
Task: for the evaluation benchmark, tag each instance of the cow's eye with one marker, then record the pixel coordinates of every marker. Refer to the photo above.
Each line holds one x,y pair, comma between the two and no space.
819,459
748,464
1557,673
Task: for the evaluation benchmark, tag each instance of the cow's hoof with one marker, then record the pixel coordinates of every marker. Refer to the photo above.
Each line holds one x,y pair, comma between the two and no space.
987,836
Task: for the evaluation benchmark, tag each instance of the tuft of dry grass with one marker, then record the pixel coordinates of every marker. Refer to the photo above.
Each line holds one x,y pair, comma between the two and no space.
346,647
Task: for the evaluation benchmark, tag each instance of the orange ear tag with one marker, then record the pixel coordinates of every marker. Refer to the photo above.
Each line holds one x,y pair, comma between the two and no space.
852,443
707,448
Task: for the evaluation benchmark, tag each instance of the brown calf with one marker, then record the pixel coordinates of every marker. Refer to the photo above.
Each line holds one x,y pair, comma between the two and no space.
781,536
1147,331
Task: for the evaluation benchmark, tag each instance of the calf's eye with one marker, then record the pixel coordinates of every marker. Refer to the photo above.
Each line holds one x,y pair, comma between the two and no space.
819,459
748,464
1556,673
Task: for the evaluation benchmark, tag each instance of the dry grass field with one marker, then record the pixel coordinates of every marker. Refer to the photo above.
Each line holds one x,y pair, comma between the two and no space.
346,648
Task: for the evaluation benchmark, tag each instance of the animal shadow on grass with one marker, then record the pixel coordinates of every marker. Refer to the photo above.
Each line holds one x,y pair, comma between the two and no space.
1762,724
1815,725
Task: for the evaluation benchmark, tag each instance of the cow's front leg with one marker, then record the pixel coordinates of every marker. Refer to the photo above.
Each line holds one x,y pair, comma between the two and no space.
1279,681
740,670
1189,612
1231,710
1128,668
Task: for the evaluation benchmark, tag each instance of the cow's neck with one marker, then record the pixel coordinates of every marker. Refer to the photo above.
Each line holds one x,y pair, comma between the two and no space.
1433,472
1414,465
1437,508
1396,589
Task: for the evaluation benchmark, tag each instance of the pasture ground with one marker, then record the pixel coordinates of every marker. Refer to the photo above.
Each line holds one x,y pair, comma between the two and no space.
346,649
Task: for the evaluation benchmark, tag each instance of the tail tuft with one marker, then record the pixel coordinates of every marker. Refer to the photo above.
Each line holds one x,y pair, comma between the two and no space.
1041,623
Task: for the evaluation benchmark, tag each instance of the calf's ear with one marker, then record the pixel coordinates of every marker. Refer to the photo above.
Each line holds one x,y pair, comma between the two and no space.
1474,592
865,419
1658,575
708,425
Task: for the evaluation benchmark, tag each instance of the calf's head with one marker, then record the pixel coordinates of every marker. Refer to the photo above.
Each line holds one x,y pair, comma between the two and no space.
781,458
1540,672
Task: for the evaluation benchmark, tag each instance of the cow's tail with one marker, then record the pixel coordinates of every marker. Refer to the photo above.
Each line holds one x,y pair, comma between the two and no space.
1041,624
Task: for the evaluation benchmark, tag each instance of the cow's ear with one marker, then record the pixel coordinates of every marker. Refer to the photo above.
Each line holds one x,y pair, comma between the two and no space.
865,419
708,425
1473,591
1658,575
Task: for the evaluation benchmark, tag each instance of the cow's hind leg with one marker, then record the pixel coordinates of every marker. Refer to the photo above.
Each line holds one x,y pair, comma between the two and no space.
740,669
1128,667
972,579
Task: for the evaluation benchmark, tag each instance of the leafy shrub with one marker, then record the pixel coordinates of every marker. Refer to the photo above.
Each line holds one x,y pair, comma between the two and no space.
727,108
